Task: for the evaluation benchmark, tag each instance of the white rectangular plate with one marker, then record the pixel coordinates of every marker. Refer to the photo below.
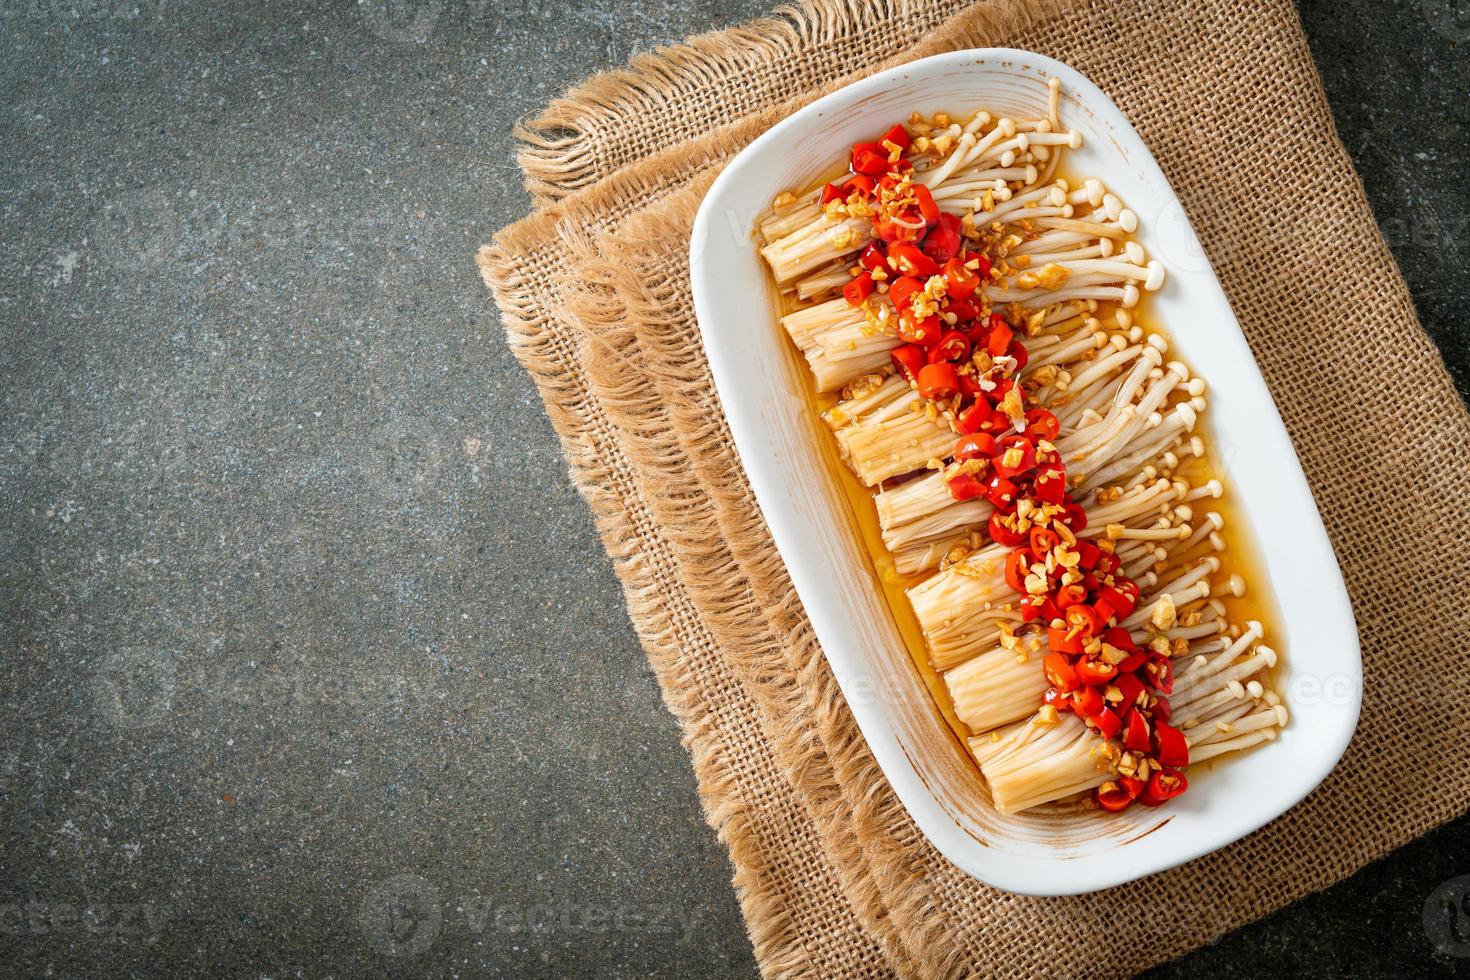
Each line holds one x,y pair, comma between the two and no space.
760,386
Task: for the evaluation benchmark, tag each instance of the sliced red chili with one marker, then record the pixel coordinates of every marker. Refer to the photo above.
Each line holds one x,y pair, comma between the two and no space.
996,422
938,381
962,282
861,183
910,261
927,207
963,310
1107,723
909,359
1163,675
1122,603
1060,700
1083,620
1043,540
1041,424
1059,672
868,161
953,346
831,193
873,257
1112,797
1017,568
972,418
1088,701
1135,732
909,229
964,486
898,136
1014,455
1132,662
1000,337
859,289
1050,484
999,533
1049,610
1162,787
925,331
903,290
1070,595
944,239
1002,493
1131,687
976,446
1017,352
1063,640
1095,673
1173,748
1031,607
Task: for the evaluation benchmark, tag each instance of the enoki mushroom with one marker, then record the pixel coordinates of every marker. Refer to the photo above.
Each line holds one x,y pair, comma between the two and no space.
1034,453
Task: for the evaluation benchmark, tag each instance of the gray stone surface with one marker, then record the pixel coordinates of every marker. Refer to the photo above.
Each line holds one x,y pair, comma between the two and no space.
303,619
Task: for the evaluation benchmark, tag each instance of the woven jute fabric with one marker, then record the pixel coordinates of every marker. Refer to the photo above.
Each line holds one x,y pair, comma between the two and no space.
833,877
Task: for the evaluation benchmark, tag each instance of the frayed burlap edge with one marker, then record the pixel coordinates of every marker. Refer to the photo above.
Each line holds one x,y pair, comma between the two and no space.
563,150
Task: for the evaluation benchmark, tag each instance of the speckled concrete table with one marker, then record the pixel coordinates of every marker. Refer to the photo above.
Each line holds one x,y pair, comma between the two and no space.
303,622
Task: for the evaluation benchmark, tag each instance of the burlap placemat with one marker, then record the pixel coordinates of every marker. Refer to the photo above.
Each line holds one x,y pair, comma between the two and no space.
832,876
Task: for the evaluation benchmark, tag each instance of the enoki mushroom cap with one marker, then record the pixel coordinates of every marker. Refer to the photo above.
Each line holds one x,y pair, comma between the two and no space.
1155,276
